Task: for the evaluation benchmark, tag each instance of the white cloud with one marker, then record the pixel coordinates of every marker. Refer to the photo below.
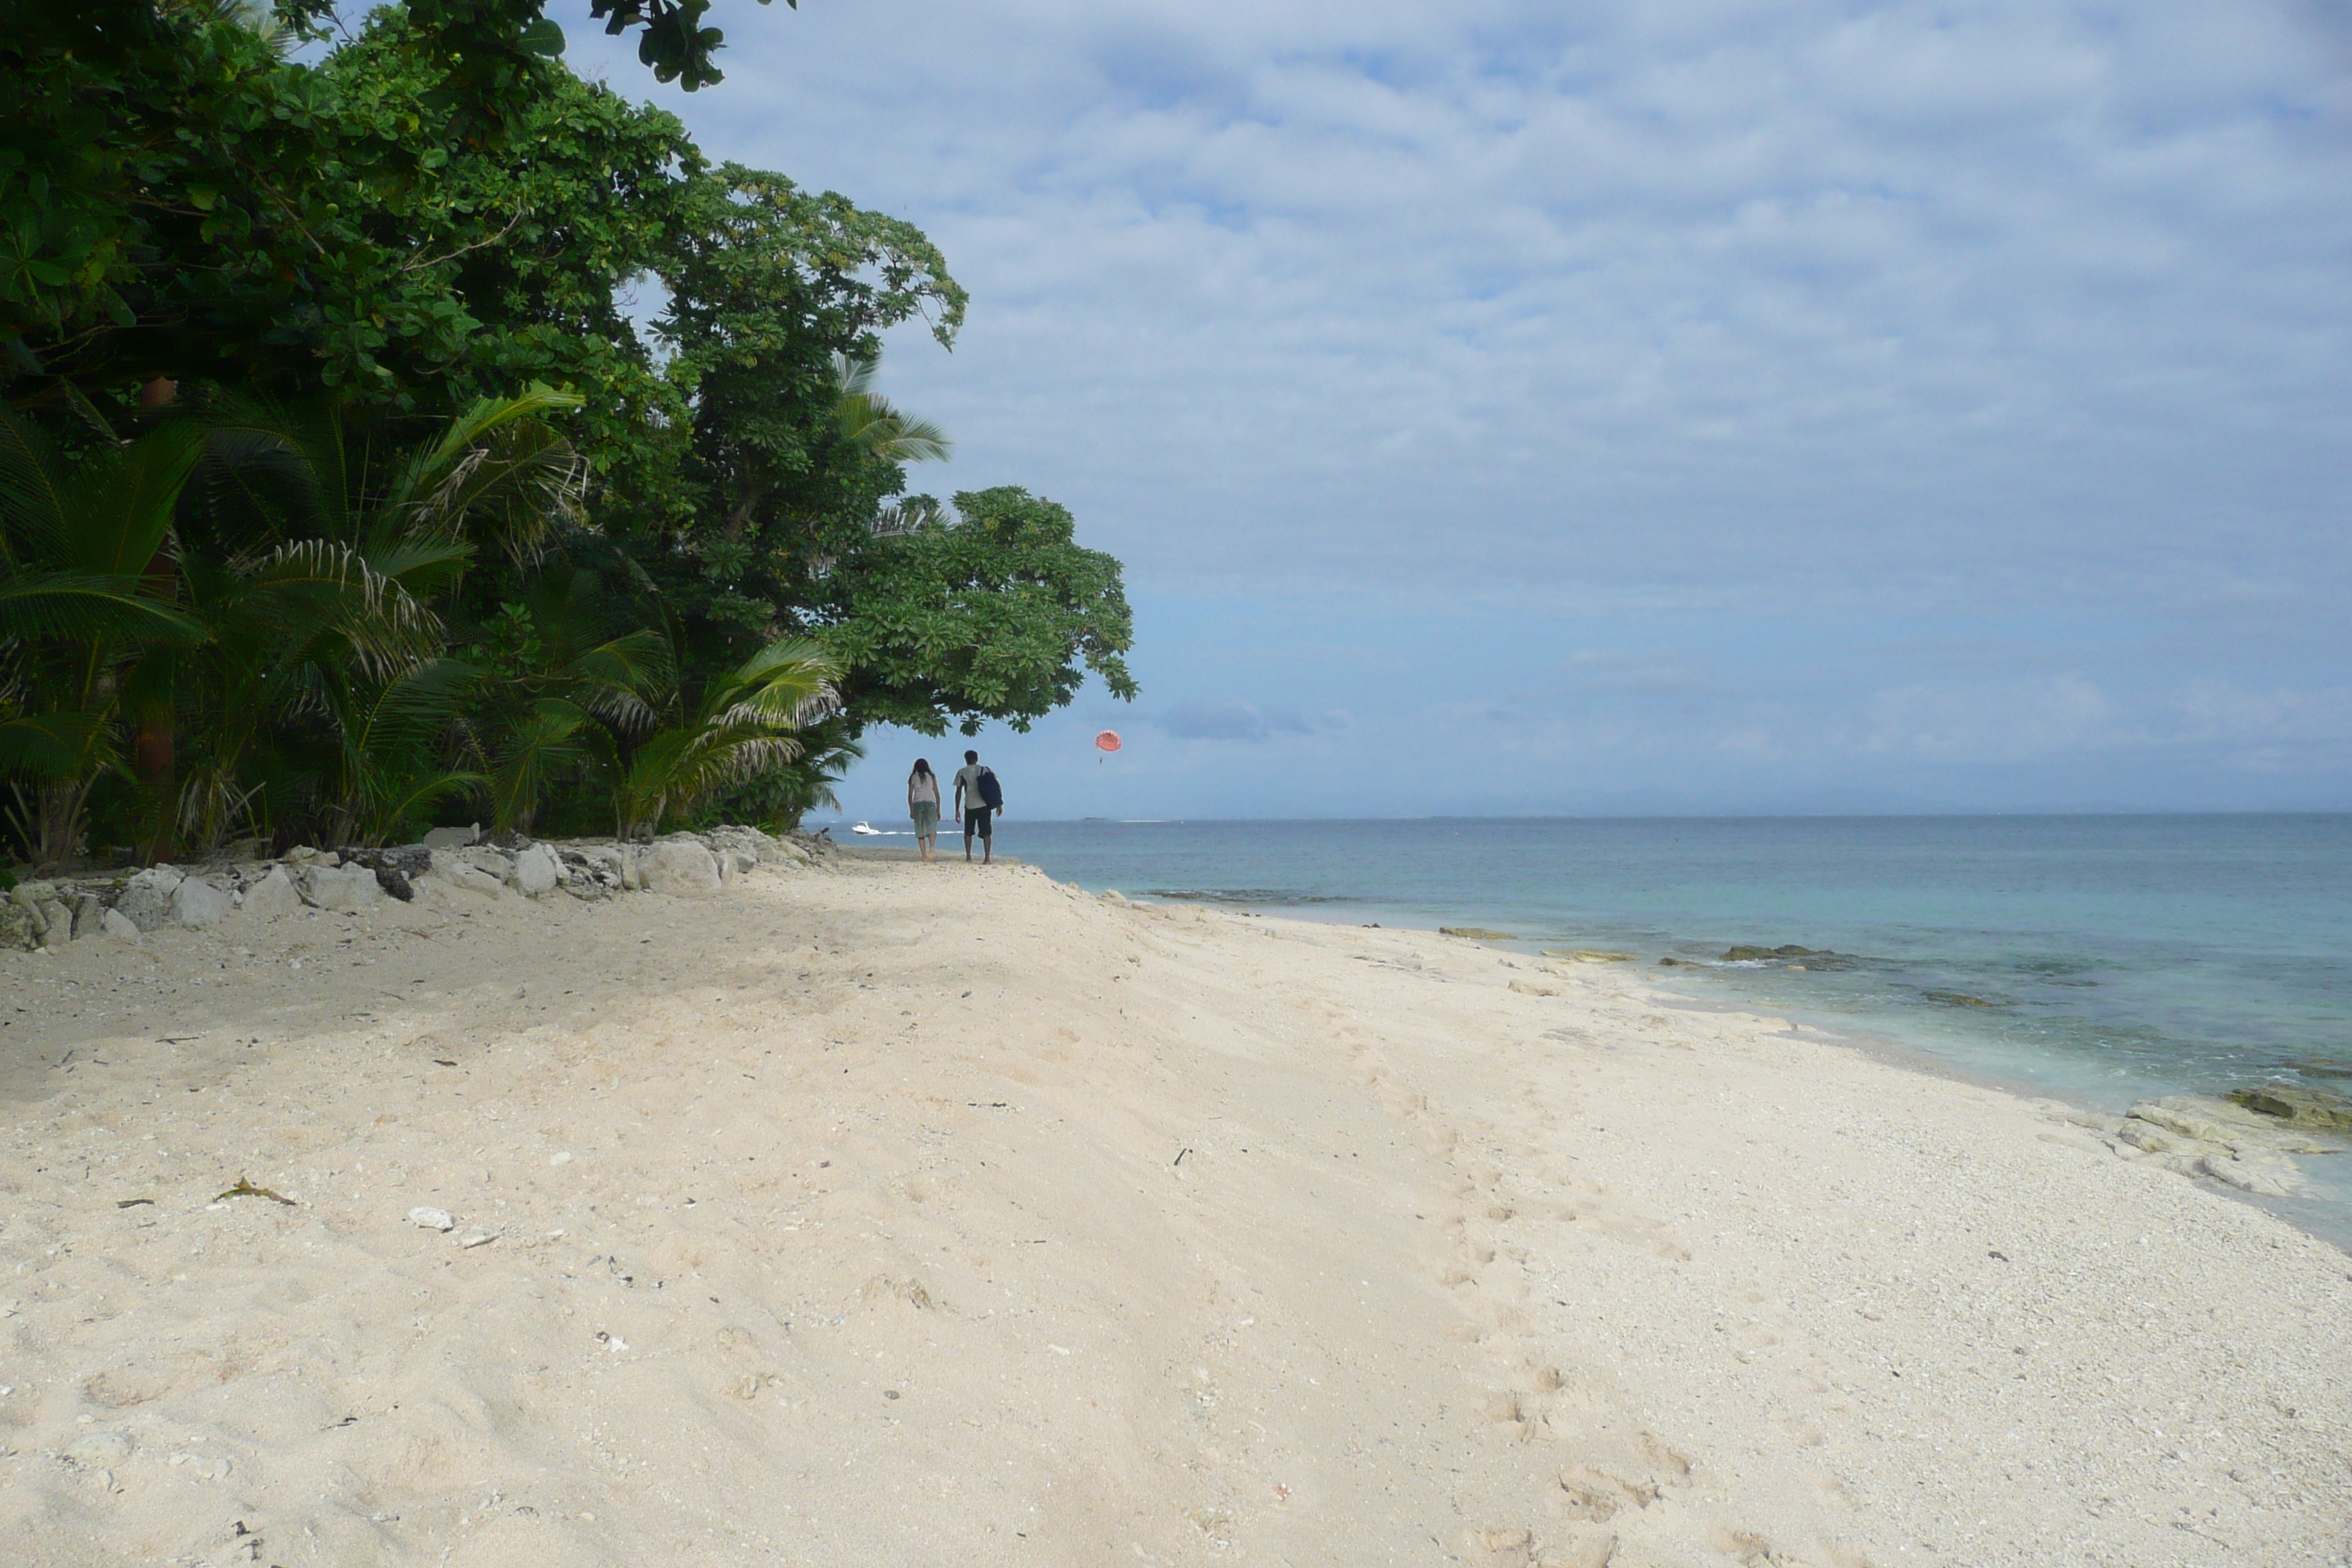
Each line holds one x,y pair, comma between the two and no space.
2214,720
2268,731
1813,315
1973,298
1995,721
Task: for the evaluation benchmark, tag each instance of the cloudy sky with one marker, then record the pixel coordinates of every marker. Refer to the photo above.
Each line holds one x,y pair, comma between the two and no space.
1689,405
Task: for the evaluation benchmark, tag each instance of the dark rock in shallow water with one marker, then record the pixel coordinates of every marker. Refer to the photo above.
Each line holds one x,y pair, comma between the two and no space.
2314,1107
1788,956
1959,999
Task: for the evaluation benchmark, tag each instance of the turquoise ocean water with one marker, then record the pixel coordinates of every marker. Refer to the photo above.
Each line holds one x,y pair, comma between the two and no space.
2099,959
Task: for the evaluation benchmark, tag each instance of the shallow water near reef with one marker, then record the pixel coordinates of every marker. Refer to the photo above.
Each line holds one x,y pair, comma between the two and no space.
2100,958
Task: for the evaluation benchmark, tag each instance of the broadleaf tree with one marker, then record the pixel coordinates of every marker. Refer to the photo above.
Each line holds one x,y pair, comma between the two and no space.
329,259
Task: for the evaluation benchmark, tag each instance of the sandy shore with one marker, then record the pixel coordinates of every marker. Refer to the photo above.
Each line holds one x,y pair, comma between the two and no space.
905,1215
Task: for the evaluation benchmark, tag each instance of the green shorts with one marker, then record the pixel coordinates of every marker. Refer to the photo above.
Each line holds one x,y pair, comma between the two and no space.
927,820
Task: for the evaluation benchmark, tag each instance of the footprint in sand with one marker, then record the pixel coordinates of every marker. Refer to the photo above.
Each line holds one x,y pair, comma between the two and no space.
1751,1549
1514,1547
1589,1495
1633,1229
1611,1475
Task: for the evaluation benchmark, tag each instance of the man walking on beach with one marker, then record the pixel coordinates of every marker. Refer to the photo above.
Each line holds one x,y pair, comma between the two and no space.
979,797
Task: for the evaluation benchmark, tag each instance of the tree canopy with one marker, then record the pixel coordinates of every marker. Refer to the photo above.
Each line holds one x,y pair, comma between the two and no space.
273,280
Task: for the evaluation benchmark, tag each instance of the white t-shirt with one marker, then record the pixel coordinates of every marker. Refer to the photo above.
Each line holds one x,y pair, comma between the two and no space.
923,789
968,781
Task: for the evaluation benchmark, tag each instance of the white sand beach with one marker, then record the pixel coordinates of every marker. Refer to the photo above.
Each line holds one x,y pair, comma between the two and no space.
900,1215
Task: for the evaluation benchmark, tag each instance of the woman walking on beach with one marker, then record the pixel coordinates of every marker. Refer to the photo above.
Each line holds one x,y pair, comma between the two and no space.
923,806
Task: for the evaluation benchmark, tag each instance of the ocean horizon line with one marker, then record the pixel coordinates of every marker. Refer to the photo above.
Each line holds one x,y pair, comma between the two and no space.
2022,813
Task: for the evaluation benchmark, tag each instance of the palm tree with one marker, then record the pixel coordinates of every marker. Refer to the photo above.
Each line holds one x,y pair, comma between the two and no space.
778,798
87,600
395,741
319,560
865,418
744,723
829,753
572,693
297,634
497,473
249,577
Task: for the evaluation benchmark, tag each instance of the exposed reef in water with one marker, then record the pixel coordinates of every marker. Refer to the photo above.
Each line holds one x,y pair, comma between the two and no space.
1788,956
2320,1109
1270,896
1746,954
2230,1140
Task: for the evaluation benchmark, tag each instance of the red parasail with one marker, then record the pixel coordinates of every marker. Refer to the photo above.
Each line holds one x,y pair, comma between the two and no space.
1108,741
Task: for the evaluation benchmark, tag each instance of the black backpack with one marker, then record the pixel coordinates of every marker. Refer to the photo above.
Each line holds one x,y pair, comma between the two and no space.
991,793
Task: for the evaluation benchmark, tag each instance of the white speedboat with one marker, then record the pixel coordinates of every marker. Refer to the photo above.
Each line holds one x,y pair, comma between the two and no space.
864,831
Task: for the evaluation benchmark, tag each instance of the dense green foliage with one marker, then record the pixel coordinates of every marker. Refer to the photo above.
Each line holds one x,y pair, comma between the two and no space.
342,487
1001,615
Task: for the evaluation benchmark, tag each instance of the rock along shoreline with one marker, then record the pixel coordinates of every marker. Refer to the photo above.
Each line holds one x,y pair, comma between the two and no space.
126,905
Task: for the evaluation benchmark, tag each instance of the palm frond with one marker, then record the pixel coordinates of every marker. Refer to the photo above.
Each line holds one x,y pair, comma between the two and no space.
916,514
401,801
790,682
392,743
617,680
555,738
422,567
300,451
51,745
499,462
212,804
317,585
121,502
744,727
867,419
87,607
415,708
33,483
853,374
